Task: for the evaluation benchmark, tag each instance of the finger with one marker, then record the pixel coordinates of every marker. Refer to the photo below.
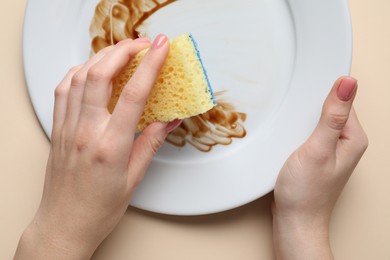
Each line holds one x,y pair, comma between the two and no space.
354,140
351,147
145,147
77,87
99,77
60,101
173,125
335,113
131,102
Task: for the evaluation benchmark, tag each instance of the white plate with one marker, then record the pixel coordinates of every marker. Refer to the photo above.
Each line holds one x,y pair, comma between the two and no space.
277,59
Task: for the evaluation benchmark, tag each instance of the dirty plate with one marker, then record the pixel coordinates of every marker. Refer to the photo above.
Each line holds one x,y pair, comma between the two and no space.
272,63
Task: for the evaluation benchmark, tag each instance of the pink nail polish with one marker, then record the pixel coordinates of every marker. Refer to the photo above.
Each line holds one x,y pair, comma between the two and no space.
173,125
347,89
159,41
143,39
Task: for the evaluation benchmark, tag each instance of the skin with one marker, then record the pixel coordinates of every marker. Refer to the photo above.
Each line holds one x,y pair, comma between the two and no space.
92,151
95,163
313,177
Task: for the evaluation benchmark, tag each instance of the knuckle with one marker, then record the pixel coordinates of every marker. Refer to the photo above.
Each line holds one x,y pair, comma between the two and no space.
81,143
337,121
60,91
82,139
78,80
104,152
133,94
95,74
75,69
155,144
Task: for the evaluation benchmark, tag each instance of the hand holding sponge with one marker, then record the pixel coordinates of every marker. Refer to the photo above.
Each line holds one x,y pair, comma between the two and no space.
181,90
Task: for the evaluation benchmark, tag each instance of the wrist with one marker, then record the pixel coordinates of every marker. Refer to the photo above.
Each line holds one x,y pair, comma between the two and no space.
315,225
301,237
313,221
39,242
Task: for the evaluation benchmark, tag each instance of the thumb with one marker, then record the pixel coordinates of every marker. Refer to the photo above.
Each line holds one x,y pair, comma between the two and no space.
335,112
146,146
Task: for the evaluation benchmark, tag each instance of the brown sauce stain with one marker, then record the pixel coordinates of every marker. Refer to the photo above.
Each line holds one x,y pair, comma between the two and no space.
217,126
116,20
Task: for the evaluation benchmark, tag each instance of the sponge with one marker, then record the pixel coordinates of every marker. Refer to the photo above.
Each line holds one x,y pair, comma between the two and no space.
182,88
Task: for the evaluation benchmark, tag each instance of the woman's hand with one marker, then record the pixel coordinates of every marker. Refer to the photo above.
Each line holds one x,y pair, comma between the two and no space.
95,163
312,179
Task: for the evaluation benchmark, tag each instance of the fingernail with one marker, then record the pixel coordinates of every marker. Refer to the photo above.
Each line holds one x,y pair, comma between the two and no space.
143,39
173,125
347,89
159,41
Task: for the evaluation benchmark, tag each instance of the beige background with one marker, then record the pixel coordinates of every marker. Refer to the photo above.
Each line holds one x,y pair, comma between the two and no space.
360,227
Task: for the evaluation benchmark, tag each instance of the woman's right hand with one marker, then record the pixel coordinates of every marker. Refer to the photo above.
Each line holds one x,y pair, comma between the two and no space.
95,163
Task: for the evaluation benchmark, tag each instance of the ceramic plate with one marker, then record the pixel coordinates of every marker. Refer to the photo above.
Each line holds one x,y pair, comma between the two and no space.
272,63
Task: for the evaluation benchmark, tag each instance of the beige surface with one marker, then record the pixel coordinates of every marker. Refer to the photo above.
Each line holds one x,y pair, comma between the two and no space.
360,227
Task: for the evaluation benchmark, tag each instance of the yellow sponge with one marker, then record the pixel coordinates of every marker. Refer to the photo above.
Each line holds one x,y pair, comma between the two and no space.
182,88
